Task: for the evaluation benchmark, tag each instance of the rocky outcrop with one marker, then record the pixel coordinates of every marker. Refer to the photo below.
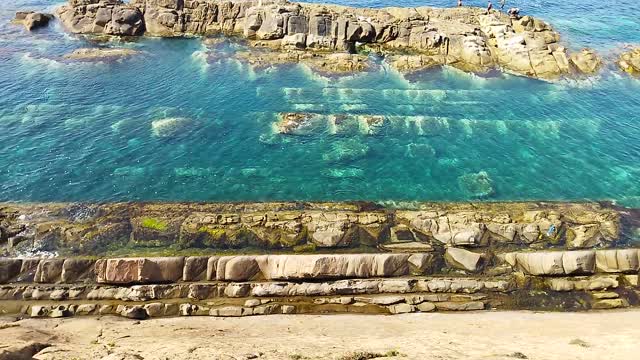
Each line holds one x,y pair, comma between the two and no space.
630,61
413,38
112,17
32,20
100,54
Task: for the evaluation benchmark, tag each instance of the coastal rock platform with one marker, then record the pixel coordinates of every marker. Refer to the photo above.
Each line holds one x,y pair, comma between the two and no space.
411,38
284,258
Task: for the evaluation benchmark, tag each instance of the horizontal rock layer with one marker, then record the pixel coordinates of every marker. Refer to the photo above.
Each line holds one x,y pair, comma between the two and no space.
467,38
94,229
399,295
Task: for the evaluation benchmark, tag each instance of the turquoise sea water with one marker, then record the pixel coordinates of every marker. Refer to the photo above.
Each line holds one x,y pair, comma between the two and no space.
82,131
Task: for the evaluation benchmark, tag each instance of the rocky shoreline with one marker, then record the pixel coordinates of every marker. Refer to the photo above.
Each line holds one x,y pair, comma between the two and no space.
411,39
267,258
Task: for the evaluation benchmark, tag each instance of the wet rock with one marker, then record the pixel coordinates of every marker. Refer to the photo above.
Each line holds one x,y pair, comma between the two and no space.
464,259
630,61
299,123
32,20
172,127
100,54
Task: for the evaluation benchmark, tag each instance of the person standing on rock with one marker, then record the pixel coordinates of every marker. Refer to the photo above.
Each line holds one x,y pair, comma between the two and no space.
459,3
489,7
502,4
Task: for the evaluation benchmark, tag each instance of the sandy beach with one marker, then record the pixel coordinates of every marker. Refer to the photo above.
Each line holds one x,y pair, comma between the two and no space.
489,335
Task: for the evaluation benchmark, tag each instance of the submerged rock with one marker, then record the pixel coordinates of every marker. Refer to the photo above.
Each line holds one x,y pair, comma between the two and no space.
344,173
32,20
299,123
630,61
171,127
478,185
100,53
345,151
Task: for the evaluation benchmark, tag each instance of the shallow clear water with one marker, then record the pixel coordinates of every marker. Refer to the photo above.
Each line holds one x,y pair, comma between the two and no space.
82,131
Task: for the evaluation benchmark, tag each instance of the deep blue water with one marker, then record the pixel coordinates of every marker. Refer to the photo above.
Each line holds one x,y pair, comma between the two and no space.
82,131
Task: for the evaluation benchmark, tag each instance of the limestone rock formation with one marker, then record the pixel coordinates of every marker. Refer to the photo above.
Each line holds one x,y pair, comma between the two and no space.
32,20
630,61
413,38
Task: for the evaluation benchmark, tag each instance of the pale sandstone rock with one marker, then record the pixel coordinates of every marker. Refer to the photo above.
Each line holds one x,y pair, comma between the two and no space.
237,268
288,309
154,309
579,262
584,236
401,309
426,307
540,263
464,259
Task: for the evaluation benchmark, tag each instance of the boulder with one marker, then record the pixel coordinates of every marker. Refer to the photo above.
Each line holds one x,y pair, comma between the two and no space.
584,236
630,61
237,268
401,309
32,20
586,61
136,312
464,259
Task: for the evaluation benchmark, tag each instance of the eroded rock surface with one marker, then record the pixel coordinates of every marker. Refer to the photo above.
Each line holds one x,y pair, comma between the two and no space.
91,229
413,38
100,54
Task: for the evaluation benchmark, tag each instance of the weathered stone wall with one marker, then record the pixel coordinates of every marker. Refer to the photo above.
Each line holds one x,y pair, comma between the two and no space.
463,37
